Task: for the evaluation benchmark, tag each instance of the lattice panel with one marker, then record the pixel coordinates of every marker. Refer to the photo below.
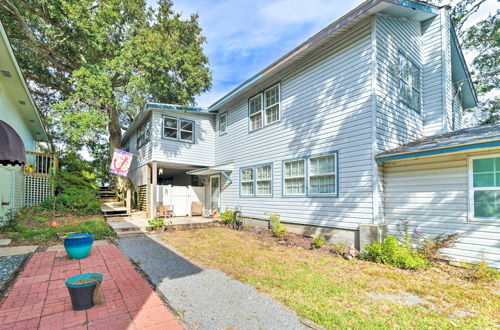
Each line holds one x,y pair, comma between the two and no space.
36,190
142,198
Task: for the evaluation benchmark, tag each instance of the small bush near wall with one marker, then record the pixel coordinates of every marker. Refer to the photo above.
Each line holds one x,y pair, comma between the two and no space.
227,216
481,272
278,229
317,242
392,252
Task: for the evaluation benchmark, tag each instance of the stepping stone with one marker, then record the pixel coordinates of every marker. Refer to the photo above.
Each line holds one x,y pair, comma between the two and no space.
5,241
17,250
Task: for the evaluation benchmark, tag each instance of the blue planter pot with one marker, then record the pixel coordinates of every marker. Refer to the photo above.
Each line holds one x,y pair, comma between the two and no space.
78,246
82,293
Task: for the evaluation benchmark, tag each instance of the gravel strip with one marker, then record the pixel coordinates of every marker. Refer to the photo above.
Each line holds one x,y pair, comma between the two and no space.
206,298
9,265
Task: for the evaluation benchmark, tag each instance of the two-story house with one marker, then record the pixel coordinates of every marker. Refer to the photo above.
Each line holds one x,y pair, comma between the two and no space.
24,173
352,133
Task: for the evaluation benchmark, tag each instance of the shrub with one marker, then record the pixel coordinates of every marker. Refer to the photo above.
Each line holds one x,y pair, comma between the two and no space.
317,242
394,253
339,248
80,201
227,217
431,246
481,272
156,223
277,228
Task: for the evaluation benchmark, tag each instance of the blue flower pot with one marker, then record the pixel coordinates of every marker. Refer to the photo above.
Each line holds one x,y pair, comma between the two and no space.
78,246
82,293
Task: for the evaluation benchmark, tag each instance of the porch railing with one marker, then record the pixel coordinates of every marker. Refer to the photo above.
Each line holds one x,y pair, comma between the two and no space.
40,164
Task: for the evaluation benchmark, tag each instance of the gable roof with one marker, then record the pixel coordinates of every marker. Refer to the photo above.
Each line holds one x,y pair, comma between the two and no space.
417,10
15,86
472,138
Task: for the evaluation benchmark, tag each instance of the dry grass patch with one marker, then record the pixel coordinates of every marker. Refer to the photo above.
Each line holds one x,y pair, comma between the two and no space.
334,292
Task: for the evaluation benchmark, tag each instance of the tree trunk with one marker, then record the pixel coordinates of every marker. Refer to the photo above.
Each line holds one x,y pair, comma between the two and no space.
115,134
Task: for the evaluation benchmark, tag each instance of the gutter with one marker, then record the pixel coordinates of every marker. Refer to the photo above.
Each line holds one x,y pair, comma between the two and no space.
494,143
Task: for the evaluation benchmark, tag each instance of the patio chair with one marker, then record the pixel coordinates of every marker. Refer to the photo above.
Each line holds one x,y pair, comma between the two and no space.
166,211
196,208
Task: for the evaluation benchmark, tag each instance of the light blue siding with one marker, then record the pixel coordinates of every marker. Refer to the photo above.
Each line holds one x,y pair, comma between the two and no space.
325,106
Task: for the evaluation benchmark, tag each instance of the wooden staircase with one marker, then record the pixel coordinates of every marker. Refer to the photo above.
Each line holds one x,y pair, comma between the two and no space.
111,207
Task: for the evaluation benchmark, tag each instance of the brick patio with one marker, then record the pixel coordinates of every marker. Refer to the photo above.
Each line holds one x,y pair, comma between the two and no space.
40,299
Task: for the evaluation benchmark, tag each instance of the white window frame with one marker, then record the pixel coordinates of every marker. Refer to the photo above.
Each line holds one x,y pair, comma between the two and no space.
334,174
247,181
270,180
179,129
267,107
143,134
409,82
304,177
264,108
471,189
221,120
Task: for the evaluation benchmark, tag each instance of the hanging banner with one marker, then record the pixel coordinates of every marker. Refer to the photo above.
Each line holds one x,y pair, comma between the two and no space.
121,161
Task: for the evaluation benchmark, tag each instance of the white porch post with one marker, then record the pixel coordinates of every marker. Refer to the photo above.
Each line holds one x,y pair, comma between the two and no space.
154,180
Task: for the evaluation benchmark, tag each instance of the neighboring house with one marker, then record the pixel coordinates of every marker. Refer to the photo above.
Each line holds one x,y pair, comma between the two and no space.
325,137
20,127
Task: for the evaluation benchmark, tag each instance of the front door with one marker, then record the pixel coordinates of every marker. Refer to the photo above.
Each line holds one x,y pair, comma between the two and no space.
214,192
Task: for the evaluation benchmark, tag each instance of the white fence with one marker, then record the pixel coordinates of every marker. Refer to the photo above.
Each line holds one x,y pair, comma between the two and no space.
180,197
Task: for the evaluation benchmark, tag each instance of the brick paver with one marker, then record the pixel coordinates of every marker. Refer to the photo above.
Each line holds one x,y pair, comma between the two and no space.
40,299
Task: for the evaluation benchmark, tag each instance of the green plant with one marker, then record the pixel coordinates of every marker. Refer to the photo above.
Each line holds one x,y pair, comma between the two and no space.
156,223
277,228
394,253
339,248
481,272
227,217
430,246
317,242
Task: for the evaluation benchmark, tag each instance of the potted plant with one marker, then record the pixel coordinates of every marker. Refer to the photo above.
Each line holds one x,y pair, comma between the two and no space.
78,246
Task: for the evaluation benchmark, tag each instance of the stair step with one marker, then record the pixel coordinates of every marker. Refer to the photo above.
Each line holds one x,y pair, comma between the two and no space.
131,233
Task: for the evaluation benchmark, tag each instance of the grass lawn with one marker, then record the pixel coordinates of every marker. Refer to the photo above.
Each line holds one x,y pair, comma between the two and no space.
337,293
32,226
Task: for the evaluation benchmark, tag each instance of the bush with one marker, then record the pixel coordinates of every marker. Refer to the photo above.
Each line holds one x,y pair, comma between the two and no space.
277,228
156,223
317,242
391,252
227,217
481,272
430,246
339,248
80,201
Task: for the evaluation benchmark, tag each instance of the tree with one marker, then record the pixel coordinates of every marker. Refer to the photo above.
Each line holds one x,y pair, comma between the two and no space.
92,64
483,41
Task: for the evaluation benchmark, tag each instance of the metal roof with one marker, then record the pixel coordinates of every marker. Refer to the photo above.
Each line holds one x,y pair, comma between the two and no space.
480,137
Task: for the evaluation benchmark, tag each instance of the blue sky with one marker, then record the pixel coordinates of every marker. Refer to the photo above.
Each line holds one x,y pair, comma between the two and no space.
244,36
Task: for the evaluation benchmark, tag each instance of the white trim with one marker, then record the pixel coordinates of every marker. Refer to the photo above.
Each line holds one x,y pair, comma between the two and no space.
471,189
225,123
334,174
220,191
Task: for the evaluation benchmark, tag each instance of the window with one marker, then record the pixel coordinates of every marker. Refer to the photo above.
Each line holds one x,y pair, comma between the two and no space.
187,129
264,180
264,108
322,175
409,83
246,181
178,129
126,146
294,176
255,108
484,194
272,104
223,123
144,134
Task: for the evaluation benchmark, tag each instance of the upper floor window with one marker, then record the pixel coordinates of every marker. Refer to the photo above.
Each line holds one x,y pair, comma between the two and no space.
264,108
144,134
409,83
223,123
178,129
484,193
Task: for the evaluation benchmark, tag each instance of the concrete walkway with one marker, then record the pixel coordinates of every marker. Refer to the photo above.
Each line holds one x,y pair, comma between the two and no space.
205,298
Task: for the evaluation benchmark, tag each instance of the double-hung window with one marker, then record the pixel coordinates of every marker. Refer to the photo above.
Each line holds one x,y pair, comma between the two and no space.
223,123
484,181
272,105
409,83
264,180
322,175
144,134
264,108
255,110
247,181
178,129
294,177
